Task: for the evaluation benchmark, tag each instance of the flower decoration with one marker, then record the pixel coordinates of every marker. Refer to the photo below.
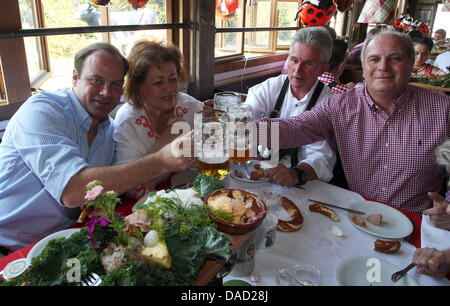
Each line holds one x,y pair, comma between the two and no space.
107,218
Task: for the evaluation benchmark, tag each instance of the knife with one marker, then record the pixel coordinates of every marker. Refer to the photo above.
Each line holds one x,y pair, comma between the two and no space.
347,209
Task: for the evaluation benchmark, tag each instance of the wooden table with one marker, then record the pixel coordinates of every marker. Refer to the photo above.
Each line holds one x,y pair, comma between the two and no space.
207,275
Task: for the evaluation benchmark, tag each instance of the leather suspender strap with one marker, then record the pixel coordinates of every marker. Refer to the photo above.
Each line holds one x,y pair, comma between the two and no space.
315,96
276,111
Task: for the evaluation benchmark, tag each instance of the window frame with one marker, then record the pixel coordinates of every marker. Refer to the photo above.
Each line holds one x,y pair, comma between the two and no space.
15,80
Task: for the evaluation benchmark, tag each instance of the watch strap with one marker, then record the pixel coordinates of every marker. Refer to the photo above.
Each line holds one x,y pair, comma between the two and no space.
301,175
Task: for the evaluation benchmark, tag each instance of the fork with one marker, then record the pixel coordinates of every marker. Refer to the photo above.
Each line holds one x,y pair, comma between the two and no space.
399,274
91,279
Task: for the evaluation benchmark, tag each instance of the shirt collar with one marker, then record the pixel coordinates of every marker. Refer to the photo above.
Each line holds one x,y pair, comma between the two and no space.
398,103
83,119
308,96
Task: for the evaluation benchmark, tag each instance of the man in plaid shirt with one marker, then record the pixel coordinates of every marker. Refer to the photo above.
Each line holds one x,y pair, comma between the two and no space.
337,63
385,132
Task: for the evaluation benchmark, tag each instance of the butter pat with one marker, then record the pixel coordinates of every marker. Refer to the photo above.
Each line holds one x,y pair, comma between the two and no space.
14,269
158,254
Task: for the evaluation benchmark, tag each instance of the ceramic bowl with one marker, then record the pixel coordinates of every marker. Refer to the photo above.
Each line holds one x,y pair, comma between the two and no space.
258,206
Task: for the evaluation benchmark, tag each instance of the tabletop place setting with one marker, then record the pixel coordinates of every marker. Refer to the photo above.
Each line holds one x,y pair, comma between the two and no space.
247,229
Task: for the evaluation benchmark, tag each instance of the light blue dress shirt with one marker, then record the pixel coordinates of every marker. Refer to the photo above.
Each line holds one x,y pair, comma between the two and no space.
44,145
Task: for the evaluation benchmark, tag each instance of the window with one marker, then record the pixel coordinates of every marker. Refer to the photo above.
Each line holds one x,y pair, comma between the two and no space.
50,58
257,14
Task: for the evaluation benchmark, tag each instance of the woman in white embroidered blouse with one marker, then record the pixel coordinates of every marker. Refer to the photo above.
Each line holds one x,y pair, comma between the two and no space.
154,103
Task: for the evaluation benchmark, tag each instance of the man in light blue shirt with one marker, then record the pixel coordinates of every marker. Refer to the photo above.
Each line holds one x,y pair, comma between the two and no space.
58,142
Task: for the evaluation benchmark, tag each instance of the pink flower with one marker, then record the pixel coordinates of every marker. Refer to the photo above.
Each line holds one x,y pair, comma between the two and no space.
93,193
90,183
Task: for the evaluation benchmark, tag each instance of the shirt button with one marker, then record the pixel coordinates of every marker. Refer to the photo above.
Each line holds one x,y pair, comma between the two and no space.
384,189
387,145
385,167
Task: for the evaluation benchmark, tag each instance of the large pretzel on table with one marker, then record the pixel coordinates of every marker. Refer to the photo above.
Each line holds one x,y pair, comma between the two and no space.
296,222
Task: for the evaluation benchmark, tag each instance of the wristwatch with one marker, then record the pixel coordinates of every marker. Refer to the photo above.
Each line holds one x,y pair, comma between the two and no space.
301,175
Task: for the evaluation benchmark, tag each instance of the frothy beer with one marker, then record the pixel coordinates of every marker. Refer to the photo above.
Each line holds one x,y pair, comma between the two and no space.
240,145
217,167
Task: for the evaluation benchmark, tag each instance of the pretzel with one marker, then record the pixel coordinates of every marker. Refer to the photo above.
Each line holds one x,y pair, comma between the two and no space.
388,247
296,222
84,214
324,211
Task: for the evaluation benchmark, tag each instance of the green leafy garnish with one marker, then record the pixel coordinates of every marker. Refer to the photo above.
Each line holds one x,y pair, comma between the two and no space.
205,184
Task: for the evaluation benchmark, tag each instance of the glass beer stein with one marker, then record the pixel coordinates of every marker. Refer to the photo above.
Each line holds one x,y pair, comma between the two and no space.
210,144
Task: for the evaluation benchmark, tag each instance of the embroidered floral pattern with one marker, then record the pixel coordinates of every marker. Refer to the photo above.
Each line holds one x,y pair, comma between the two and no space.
180,111
142,120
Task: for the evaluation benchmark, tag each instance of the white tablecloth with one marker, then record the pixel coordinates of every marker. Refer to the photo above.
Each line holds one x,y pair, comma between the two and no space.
314,243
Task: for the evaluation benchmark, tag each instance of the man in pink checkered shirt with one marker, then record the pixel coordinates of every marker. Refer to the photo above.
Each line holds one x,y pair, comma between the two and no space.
385,132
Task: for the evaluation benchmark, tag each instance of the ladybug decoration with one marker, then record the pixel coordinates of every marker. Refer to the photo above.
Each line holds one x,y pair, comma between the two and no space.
227,8
99,2
315,12
404,23
343,5
422,27
137,3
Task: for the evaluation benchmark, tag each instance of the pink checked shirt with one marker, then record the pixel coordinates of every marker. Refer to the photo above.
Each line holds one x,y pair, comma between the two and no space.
389,158
328,78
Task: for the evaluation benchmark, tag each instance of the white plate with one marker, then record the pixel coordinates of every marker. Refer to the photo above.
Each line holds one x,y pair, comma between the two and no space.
250,165
39,247
394,224
369,271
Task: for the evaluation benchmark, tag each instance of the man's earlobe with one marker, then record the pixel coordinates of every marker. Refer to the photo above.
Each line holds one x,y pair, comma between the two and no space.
74,77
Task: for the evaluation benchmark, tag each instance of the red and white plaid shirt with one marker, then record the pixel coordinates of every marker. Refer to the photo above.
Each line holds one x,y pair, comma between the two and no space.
389,158
329,78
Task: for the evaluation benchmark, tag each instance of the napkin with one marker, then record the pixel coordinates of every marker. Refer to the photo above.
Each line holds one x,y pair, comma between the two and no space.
433,237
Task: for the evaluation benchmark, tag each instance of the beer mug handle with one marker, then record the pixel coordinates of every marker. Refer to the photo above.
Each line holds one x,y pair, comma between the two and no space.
283,277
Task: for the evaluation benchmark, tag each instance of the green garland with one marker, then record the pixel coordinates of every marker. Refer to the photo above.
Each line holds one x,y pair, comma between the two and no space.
435,80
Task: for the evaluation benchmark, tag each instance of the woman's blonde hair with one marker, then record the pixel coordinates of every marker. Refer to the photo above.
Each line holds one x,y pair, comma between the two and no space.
143,56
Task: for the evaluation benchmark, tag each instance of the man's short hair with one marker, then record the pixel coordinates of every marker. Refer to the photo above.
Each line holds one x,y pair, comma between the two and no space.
318,37
82,54
441,32
403,37
338,54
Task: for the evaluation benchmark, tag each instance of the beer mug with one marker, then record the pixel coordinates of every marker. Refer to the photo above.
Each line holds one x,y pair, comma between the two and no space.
240,132
210,144
226,98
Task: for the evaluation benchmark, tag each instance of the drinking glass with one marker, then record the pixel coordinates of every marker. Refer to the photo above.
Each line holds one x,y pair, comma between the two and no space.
226,98
240,117
210,144
300,275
